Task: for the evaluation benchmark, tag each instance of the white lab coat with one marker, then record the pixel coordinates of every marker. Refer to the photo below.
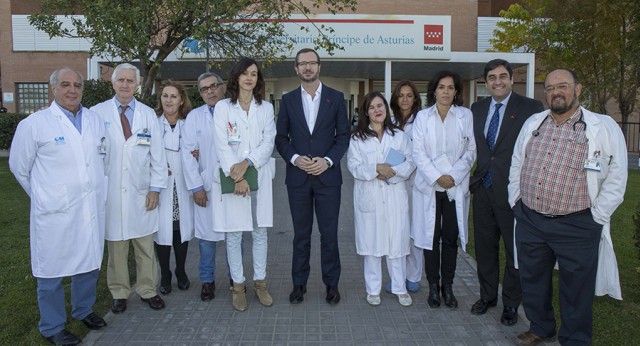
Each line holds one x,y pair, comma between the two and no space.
63,173
606,188
198,135
133,168
164,236
381,212
424,152
257,132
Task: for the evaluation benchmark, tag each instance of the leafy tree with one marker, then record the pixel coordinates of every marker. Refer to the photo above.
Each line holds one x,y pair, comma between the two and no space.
599,39
150,30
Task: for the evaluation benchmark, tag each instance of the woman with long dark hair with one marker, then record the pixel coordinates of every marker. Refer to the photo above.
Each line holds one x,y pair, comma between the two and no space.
379,159
405,105
245,131
443,150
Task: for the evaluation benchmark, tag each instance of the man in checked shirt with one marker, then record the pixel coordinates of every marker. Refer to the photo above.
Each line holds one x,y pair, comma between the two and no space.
568,175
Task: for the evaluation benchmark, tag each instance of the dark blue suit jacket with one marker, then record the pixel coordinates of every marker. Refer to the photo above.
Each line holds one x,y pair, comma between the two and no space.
518,110
330,137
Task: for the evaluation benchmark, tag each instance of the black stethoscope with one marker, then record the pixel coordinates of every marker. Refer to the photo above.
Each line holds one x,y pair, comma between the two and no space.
536,132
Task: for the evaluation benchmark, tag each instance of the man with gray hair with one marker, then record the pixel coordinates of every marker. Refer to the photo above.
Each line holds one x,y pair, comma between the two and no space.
200,165
58,156
137,171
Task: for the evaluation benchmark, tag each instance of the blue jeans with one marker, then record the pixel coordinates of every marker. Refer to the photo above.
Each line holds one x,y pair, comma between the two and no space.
207,264
53,314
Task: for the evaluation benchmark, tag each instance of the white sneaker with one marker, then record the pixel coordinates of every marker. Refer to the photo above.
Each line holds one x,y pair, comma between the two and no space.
374,299
405,299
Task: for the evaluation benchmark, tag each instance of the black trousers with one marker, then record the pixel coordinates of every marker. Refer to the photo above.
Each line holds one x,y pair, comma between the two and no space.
325,200
492,220
446,229
163,253
573,241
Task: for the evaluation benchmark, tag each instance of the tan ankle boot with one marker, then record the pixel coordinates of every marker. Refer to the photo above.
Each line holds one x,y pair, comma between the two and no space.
239,299
261,291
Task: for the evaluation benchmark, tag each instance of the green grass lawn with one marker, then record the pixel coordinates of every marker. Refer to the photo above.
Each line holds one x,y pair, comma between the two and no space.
19,313
614,322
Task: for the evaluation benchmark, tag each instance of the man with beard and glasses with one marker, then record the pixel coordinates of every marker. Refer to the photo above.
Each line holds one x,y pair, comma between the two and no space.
312,136
568,175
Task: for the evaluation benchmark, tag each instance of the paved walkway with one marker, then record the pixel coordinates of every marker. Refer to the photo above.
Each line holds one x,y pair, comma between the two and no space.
188,321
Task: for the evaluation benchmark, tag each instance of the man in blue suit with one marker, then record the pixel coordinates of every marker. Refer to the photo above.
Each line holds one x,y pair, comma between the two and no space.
312,136
492,216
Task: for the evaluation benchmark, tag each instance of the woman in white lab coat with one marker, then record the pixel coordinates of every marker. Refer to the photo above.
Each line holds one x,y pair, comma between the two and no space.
175,205
380,196
405,104
244,137
443,151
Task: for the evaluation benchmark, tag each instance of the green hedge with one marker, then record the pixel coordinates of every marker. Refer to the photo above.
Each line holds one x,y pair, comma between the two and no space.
8,124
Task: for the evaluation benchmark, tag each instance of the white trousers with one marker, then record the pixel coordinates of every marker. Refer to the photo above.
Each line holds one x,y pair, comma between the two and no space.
397,268
259,250
414,263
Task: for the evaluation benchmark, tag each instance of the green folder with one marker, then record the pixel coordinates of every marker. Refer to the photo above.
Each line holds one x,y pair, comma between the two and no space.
228,185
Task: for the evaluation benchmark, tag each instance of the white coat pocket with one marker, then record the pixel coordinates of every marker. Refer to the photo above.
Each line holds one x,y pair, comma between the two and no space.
51,199
365,199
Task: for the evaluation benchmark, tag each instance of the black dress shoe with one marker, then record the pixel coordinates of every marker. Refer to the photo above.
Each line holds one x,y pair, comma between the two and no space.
165,289
449,299
184,285
333,296
64,337
93,321
297,295
481,306
208,291
155,302
434,296
509,315
118,306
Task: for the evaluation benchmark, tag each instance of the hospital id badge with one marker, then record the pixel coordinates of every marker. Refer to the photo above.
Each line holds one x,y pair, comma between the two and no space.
592,165
102,148
143,139
232,133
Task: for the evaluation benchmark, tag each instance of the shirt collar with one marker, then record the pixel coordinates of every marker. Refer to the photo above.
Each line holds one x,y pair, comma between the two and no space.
68,113
131,104
503,102
318,91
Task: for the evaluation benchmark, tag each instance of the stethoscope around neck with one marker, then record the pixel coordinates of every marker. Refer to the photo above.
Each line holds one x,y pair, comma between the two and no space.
536,132
179,126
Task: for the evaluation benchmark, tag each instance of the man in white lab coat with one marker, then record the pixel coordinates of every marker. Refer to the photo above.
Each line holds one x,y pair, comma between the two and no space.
137,171
58,155
568,175
199,170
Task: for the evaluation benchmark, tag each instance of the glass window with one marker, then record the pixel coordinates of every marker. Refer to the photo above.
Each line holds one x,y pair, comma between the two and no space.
32,96
482,92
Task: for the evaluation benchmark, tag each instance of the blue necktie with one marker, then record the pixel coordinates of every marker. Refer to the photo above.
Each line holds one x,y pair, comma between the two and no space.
211,110
492,133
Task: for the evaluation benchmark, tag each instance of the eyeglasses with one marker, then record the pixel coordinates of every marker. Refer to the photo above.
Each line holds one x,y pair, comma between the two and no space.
308,63
560,87
213,86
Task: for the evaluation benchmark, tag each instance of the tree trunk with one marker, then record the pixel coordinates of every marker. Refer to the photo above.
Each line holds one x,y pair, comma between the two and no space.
151,73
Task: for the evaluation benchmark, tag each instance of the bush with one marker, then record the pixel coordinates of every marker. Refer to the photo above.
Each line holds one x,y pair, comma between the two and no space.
8,124
96,91
194,96
636,222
